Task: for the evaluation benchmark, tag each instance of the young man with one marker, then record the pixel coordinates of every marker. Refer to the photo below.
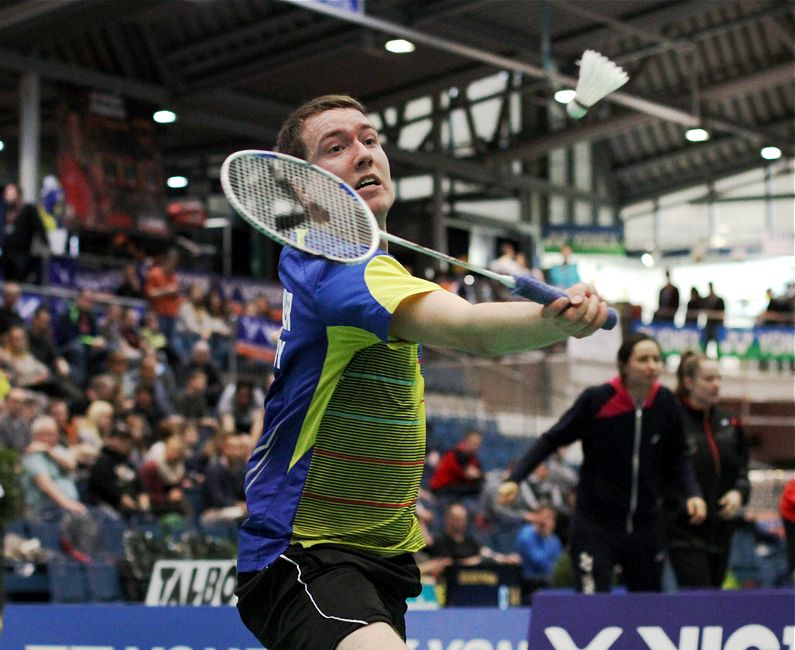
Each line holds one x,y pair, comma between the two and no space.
325,554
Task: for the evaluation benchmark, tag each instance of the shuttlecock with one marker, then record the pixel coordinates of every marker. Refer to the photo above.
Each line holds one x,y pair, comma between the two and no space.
599,76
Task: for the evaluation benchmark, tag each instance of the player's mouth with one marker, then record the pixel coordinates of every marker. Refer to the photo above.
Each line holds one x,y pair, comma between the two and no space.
366,182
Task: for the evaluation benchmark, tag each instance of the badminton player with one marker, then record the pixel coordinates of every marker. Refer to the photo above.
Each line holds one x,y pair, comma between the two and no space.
325,555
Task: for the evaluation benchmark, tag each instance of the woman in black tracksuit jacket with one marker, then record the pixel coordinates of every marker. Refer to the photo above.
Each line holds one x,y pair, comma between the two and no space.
699,554
633,445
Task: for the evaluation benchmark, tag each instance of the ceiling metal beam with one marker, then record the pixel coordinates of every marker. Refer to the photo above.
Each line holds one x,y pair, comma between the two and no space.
23,12
656,109
641,168
11,60
488,175
655,18
715,172
500,62
596,131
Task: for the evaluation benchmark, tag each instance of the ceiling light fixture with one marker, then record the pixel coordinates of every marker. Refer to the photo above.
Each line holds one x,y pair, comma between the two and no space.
565,96
697,134
164,117
177,182
2,145
770,153
399,46
647,259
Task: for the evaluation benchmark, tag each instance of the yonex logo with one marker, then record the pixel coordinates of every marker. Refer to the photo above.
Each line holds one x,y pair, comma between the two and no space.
690,637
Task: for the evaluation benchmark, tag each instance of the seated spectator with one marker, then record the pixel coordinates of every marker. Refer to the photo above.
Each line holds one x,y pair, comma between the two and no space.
553,483
455,545
92,429
491,512
539,547
459,472
110,326
130,332
201,359
163,480
193,321
41,343
154,340
9,314
21,367
131,285
58,409
79,338
507,264
118,367
220,327
48,474
102,387
192,400
14,426
222,490
141,433
156,375
113,480
145,407
241,407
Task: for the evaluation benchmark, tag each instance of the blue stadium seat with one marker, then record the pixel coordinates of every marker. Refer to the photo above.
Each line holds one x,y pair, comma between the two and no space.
104,585
68,581
47,532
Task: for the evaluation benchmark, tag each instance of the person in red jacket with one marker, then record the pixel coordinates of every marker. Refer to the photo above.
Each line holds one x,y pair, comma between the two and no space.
718,448
459,472
634,446
787,509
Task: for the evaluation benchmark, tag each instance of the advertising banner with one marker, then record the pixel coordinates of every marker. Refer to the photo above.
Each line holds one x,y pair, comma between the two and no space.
726,620
600,240
758,343
110,166
137,627
256,338
192,582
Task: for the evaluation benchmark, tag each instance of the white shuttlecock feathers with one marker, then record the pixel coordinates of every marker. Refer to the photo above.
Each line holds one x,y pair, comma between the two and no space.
599,76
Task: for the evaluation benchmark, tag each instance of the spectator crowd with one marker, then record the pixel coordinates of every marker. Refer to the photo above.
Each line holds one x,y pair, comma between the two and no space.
126,409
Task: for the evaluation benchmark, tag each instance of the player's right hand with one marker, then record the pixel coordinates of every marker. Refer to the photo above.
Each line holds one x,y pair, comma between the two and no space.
580,313
507,492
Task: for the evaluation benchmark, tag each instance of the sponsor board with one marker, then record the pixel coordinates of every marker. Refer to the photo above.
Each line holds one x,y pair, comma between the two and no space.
730,620
136,627
192,582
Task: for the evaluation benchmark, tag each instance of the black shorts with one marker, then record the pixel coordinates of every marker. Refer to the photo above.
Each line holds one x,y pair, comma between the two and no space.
312,598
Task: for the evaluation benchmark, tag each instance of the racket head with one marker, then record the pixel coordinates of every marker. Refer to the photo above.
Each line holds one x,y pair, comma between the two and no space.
299,204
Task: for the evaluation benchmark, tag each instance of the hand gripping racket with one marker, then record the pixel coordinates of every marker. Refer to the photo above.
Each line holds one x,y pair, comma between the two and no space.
307,207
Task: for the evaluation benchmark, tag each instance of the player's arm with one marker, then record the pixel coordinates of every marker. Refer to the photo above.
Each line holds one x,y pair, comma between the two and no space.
444,319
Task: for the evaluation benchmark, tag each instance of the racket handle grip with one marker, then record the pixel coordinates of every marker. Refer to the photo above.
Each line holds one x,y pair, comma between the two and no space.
535,290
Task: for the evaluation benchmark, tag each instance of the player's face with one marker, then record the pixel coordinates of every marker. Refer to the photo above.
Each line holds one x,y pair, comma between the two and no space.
644,365
705,386
346,143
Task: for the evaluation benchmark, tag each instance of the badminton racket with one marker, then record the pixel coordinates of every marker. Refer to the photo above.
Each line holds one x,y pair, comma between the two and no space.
307,207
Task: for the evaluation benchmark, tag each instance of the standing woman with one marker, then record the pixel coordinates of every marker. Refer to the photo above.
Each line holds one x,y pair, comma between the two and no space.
633,445
699,554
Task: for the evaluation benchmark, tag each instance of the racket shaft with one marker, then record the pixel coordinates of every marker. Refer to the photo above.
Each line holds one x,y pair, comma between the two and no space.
525,286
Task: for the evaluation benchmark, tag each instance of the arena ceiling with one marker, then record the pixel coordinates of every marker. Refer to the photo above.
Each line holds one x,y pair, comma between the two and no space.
232,69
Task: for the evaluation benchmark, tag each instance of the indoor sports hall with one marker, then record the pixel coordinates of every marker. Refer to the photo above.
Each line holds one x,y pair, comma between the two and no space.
219,359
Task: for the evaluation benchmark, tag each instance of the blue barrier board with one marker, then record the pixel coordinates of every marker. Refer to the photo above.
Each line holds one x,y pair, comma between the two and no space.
137,627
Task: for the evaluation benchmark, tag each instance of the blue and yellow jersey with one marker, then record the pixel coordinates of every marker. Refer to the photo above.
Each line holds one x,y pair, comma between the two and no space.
342,453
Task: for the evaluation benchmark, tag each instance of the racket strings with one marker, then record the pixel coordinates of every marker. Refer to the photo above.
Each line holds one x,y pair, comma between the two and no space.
301,206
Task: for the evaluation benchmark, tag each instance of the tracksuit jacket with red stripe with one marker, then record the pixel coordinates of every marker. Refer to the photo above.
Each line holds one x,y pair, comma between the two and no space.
630,454
717,445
